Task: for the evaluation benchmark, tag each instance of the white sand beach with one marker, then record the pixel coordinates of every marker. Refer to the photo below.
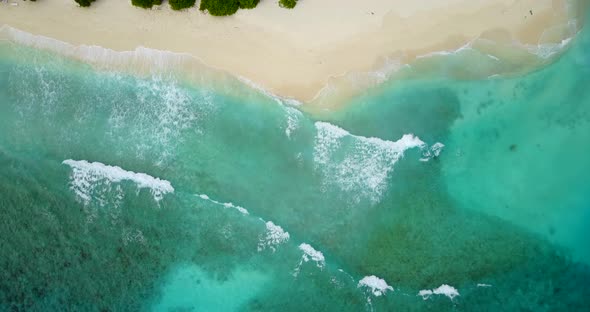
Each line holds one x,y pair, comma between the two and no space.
295,53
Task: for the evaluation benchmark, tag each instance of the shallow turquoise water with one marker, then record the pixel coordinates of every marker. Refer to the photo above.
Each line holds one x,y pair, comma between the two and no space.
500,213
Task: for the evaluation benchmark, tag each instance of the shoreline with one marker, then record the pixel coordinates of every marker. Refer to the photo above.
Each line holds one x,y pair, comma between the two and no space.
299,64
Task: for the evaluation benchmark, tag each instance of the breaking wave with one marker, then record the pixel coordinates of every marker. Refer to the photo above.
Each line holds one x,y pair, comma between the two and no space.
274,236
88,177
443,290
377,285
361,164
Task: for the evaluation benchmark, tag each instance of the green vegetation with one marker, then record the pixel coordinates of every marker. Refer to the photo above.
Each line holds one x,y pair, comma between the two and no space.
248,4
181,4
220,7
288,4
146,4
226,7
214,7
84,3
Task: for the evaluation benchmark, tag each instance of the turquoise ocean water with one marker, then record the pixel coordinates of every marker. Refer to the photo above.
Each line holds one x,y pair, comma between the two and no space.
148,193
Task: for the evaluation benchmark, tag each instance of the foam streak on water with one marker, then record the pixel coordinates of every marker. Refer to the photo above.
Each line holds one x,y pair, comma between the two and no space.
226,205
158,59
85,175
444,290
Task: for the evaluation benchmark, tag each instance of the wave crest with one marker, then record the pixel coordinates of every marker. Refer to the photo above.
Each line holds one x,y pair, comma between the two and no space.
357,164
88,177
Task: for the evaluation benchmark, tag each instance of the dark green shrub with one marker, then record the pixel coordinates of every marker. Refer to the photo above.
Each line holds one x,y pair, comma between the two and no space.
146,4
288,4
181,4
84,3
220,7
248,4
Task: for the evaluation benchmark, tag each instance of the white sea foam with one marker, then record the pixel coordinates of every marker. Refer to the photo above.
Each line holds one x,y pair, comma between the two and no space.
87,175
493,57
443,289
365,167
465,47
274,236
238,208
542,50
226,205
310,254
425,293
431,152
361,80
389,67
279,99
352,82
158,59
349,276
293,119
161,112
484,285
446,290
377,285
327,141
548,50
161,109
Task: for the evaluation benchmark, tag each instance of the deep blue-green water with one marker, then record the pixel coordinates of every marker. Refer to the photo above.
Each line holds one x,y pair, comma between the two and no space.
148,193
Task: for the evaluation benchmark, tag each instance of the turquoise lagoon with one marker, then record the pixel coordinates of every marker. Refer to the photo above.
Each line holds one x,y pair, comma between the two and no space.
123,192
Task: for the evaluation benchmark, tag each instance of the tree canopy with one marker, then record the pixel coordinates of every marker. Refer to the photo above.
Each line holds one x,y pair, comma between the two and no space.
146,4
84,3
289,4
181,4
226,7
220,7
248,4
